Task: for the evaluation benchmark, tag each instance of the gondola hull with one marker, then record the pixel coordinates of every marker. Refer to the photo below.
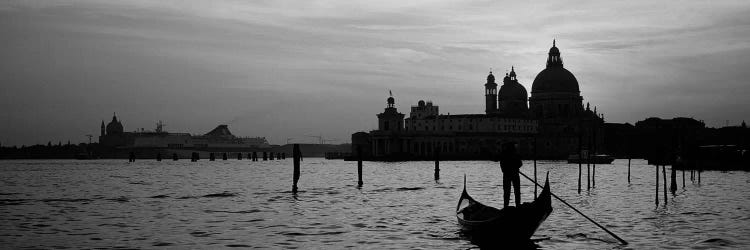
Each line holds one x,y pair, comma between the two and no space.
510,223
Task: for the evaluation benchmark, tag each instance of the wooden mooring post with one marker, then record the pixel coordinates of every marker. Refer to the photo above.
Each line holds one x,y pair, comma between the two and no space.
211,157
628,168
699,175
657,184
630,156
593,164
588,166
588,172
265,156
297,155
673,181
535,192
694,176
664,176
174,157
683,178
437,163
580,158
359,166
158,156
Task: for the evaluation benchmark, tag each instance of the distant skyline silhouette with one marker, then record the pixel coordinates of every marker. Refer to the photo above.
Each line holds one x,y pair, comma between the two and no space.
283,70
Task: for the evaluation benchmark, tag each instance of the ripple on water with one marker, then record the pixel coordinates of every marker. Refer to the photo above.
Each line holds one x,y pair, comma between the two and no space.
251,211
714,242
222,194
312,233
359,225
213,204
201,234
119,199
237,245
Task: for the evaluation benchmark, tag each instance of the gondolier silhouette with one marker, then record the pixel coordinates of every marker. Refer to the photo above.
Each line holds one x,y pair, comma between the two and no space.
510,163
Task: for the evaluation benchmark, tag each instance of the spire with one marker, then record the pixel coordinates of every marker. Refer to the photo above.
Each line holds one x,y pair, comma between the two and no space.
553,42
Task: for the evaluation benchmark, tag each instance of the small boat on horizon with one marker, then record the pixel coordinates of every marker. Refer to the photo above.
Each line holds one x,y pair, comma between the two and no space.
510,225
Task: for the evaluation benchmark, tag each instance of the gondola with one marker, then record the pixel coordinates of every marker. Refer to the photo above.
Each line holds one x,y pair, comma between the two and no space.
510,223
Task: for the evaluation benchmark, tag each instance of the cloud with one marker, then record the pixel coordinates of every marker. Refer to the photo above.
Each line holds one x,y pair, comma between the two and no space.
327,65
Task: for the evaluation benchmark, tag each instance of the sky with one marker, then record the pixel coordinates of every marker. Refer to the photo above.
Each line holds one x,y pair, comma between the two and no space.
290,70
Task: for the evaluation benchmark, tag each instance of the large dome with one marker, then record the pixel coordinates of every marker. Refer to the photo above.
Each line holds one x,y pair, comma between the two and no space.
555,79
115,126
512,91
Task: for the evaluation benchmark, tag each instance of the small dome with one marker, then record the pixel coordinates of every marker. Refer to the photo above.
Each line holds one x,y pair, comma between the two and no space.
555,79
420,103
554,51
490,78
512,91
391,100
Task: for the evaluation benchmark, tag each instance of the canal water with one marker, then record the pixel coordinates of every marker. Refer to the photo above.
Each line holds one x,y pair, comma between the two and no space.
221,204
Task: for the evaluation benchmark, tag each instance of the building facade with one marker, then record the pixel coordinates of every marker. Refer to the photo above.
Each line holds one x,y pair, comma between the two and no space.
551,124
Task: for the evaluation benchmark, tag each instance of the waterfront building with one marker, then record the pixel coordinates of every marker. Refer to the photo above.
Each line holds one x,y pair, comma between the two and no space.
557,104
551,124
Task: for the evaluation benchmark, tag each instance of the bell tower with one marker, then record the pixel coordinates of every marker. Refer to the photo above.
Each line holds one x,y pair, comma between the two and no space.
490,94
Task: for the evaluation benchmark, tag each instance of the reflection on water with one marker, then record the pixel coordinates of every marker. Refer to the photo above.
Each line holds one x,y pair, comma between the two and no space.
146,204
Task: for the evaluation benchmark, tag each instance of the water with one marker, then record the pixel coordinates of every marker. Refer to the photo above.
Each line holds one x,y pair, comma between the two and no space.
149,204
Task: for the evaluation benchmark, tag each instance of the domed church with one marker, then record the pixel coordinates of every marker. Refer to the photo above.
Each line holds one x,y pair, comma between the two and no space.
510,100
557,104
512,97
555,93
548,125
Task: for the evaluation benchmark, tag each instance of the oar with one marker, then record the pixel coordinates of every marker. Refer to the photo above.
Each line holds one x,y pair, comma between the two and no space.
579,212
